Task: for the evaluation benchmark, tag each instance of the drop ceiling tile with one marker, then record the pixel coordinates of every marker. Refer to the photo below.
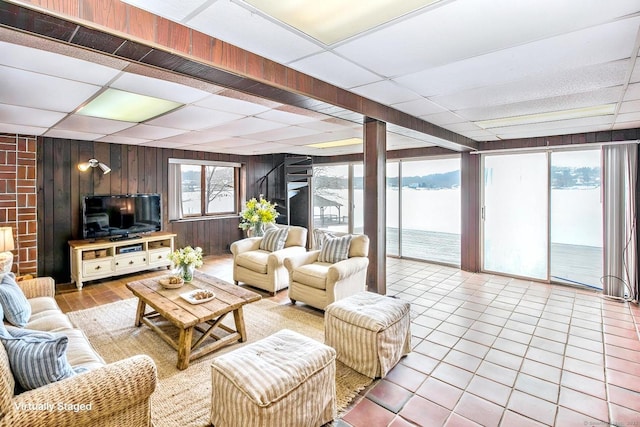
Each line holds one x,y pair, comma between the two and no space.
629,107
21,130
70,134
464,21
331,68
442,119
331,125
27,89
148,132
529,133
232,105
285,117
223,18
16,115
386,92
607,95
632,92
193,118
268,148
175,11
54,64
542,86
195,137
282,134
628,117
165,143
552,128
158,88
419,107
566,53
117,139
246,126
89,124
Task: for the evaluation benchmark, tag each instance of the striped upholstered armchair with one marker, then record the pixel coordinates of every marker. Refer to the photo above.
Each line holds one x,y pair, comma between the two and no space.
336,270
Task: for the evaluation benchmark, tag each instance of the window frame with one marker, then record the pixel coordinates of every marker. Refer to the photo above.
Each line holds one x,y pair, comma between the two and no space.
175,181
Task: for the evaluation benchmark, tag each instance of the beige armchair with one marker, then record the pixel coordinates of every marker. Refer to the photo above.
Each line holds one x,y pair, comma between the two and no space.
262,268
318,284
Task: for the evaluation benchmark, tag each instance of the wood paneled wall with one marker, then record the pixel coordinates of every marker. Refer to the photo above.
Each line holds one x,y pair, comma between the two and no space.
134,169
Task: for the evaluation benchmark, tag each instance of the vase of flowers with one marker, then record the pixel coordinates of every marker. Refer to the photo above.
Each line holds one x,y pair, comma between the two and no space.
256,214
185,261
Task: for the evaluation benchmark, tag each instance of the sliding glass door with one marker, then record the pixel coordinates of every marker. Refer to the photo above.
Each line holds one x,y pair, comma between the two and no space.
542,216
576,218
515,213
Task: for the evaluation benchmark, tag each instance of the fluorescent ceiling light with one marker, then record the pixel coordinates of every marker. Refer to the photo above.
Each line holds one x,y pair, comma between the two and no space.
124,106
574,113
331,21
339,143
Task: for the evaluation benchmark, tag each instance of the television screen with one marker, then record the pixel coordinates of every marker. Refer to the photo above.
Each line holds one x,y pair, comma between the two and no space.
123,215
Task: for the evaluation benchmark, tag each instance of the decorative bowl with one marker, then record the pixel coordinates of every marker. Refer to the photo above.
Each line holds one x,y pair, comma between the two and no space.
171,282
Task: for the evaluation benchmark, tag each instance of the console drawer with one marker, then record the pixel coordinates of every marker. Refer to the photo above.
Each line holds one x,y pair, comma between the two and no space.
97,267
133,261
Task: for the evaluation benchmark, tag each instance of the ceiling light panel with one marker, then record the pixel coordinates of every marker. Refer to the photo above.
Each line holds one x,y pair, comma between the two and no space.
126,106
259,35
551,116
27,89
331,21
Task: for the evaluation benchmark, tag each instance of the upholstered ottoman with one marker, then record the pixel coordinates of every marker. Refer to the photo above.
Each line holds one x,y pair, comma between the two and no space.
285,379
370,332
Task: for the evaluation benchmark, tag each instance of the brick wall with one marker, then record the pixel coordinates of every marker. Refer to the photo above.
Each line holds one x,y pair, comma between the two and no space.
18,199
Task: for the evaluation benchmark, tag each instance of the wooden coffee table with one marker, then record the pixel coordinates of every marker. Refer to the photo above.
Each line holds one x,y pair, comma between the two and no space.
206,318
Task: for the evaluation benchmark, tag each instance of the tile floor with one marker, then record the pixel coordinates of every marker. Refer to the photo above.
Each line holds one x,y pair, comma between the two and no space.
487,350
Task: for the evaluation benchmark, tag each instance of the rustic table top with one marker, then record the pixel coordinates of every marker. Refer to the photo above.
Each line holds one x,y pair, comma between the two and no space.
170,305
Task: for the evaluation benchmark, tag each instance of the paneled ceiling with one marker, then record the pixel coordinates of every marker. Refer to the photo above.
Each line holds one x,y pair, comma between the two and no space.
484,69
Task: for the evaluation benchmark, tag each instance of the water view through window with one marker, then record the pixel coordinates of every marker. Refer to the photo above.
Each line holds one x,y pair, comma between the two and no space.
423,211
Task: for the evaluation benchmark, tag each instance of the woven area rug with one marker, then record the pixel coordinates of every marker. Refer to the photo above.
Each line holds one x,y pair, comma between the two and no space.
183,398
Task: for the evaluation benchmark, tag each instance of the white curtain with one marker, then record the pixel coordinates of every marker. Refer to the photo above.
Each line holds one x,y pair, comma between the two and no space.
175,191
619,216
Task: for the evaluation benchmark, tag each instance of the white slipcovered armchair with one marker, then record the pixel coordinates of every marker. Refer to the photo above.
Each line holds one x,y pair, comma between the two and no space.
264,268
318,283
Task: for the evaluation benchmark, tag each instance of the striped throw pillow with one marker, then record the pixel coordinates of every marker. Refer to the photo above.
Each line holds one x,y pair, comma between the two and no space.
15,306
319,236
335,249
37,358
274,239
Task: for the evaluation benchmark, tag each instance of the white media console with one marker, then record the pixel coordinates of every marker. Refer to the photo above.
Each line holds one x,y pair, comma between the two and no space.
99,258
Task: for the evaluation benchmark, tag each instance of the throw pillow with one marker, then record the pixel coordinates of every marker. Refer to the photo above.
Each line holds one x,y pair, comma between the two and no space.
335,249
274,239
319,237
16,308
37,358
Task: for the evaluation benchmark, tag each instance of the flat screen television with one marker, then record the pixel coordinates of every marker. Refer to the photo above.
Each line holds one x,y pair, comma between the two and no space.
120,216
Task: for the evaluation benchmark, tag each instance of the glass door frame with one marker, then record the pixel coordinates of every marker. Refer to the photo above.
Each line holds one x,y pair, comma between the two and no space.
483,209
549,154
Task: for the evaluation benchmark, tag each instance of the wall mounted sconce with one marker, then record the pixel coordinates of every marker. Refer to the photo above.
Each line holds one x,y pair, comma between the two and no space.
92,164
6,246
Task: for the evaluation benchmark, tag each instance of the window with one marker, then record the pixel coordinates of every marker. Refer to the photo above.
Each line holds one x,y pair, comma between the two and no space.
199,188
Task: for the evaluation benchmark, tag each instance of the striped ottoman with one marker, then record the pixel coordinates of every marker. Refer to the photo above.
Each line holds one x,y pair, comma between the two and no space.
285,379
370,332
